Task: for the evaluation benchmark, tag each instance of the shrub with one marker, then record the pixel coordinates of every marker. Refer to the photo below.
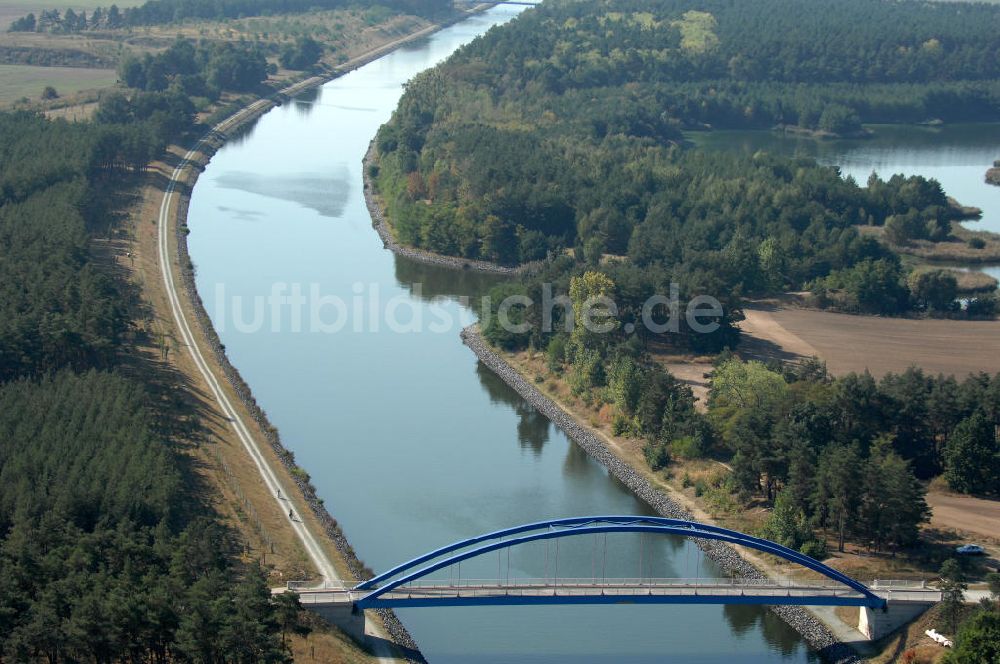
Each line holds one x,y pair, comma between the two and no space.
620,425
814,549
656,455
688,447
556,353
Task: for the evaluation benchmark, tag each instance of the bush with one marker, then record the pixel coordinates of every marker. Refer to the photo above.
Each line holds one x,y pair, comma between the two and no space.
814,549
977,243
556,353
305,53
984,306
620,425
688,447
934,290
656,455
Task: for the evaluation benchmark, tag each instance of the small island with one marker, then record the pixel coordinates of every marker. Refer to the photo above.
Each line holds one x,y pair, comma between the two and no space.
993,174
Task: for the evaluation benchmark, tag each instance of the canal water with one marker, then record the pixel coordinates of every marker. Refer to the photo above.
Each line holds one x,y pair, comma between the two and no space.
355,355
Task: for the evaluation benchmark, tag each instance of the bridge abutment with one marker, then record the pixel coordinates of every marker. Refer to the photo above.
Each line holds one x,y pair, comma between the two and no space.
347,617
876,623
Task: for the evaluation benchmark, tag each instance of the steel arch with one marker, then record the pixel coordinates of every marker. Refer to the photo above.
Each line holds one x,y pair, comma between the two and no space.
558,528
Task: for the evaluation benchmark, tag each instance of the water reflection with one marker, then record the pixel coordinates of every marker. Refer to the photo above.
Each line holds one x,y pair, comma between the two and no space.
242,133
576,460
973,144
744,619
325,193
533,428
409,408
438,281
304,102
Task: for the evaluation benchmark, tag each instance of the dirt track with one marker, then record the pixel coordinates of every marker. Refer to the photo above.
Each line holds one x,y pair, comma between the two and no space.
880,345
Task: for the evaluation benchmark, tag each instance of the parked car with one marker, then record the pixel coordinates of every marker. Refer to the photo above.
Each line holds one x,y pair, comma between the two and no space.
970,550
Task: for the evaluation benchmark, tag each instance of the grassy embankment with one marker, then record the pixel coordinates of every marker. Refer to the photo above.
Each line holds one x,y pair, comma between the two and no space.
82,64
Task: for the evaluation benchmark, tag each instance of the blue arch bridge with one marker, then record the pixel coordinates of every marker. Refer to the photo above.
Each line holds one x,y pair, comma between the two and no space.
411,584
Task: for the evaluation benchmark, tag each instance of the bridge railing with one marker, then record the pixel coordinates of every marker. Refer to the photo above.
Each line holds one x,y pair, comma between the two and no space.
898,584
592,582
488,591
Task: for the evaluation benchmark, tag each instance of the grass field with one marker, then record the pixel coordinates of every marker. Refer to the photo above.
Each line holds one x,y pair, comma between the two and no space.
855,343
17,81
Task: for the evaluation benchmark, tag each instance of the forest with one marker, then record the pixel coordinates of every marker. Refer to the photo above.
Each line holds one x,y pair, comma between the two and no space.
103,555
57,181
108,549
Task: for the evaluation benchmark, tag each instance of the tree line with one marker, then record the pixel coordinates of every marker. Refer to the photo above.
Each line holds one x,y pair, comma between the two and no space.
202,69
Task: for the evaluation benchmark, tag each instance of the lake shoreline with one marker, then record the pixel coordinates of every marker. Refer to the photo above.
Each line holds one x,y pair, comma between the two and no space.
815,633
993,174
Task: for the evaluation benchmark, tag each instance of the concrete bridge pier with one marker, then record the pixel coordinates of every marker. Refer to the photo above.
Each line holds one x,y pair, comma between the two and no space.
346,616
876,623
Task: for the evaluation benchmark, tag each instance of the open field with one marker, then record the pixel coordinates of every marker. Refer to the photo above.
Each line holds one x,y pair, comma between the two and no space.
17,81
855,343
92,56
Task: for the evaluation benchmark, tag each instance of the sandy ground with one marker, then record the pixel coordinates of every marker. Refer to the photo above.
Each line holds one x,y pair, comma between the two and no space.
967,514
855,343
691,372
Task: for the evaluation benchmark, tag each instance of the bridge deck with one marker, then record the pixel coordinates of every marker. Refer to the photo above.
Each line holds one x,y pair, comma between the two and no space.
468,593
